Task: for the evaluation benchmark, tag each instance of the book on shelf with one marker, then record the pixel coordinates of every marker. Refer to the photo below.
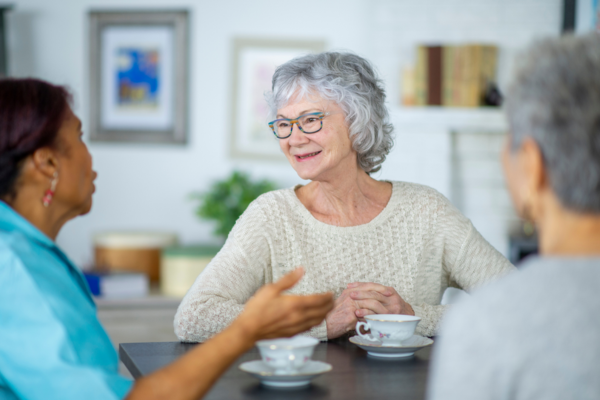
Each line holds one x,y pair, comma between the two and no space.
454,76
117,284
420,85
434,75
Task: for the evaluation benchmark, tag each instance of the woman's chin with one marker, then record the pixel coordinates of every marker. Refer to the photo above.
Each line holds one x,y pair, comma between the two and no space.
305,174
86,207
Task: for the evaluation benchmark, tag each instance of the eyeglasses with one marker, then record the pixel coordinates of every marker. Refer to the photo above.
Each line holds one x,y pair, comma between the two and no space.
307,123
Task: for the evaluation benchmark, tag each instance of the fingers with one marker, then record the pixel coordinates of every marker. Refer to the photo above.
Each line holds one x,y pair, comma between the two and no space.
361,313
312,318
372,305
308,306
365,295
376,287
295,329
314,300
297,321
289,280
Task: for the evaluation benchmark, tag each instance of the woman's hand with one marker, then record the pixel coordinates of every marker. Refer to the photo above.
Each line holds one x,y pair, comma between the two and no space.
343,317
373,298
272,314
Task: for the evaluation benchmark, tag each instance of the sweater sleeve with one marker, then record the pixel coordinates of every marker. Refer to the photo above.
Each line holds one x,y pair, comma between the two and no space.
468,261
219,293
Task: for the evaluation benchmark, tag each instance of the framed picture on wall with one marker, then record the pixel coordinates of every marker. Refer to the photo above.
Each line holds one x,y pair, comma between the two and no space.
581,16
254,62
138,76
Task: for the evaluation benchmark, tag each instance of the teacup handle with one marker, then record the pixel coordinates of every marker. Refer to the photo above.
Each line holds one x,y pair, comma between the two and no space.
364,335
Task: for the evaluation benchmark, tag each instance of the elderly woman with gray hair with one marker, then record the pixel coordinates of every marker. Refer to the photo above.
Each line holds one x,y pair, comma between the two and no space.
380,247
534,335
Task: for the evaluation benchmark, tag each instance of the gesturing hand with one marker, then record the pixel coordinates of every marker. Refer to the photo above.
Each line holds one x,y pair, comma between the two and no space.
373,298
272,314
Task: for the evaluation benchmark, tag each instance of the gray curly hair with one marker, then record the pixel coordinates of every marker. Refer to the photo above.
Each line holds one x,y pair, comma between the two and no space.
555,100
351,82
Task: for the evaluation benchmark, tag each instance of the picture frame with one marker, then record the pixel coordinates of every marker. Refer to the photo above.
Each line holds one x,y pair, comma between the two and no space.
254,62
581,17
138,76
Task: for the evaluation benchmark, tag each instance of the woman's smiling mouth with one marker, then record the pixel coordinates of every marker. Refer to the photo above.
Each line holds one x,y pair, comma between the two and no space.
307,156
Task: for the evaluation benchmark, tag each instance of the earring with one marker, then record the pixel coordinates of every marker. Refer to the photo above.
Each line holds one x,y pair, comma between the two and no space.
49,194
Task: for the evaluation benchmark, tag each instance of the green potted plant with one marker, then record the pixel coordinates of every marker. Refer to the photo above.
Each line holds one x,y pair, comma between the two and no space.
228,199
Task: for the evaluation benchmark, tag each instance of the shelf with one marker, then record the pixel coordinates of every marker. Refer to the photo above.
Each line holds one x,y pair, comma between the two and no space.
154,300
450,118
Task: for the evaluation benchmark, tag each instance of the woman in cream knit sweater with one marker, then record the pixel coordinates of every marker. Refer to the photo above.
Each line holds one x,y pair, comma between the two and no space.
380,247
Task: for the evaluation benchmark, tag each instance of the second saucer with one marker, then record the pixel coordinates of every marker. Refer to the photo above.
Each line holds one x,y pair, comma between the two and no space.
406,349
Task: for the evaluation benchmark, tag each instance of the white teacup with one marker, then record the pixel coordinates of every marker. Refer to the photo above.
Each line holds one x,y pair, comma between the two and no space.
389,329
287,356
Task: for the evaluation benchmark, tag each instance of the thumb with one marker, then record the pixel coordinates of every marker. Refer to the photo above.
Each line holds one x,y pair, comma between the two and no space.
289,280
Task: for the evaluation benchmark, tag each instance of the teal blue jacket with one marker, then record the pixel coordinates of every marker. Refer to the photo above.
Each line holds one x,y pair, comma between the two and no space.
52,345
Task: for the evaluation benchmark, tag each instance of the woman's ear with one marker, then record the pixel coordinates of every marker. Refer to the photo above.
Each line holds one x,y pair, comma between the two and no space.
535,178
45,161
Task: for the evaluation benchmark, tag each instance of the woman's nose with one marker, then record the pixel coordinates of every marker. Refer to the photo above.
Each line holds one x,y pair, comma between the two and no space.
297,137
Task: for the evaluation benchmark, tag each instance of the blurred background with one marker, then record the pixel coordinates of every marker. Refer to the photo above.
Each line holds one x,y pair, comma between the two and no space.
444,63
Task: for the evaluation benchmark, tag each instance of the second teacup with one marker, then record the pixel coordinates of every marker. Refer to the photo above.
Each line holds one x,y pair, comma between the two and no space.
389,329
287,356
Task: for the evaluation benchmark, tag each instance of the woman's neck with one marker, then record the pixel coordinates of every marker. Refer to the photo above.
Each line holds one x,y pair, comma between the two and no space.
49,220
352,199
567,233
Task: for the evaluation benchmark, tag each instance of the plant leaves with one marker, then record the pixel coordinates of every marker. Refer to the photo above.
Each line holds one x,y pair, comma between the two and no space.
227,200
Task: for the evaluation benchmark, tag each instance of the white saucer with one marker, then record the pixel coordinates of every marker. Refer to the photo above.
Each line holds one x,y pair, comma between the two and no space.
376,349
267,376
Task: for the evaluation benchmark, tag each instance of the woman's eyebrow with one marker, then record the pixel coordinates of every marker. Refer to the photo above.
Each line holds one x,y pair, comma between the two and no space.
301,113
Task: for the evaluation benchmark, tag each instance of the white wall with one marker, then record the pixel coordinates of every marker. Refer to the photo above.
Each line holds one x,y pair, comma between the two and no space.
147,186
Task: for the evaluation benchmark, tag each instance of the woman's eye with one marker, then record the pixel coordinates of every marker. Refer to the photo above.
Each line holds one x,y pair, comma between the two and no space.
283,124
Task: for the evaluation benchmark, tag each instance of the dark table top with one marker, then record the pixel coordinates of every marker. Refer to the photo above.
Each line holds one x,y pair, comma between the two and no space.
354,376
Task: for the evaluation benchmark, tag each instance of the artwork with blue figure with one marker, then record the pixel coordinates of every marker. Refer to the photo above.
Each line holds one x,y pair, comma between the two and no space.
137,77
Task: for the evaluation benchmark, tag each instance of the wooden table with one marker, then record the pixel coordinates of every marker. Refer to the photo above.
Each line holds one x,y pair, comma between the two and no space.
354,374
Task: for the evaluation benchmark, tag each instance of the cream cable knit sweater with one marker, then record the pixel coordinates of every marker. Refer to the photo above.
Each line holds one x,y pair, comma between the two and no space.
419,244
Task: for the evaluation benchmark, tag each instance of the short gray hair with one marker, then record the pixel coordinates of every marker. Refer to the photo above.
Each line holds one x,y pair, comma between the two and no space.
352,83
555,100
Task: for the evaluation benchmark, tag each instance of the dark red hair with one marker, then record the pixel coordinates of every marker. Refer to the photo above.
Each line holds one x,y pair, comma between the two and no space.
31,114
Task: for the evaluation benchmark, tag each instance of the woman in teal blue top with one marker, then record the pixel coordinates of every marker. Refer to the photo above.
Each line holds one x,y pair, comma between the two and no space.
52,345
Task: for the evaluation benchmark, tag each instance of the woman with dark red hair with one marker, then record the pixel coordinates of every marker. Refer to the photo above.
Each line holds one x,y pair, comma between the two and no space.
52,345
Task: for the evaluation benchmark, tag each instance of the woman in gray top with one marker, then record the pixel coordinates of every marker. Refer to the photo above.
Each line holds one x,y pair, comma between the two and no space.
535,334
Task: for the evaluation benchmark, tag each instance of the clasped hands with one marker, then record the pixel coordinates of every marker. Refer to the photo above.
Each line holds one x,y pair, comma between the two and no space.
359,300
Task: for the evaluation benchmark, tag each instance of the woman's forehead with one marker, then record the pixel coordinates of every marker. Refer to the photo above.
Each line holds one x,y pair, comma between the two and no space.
298,105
